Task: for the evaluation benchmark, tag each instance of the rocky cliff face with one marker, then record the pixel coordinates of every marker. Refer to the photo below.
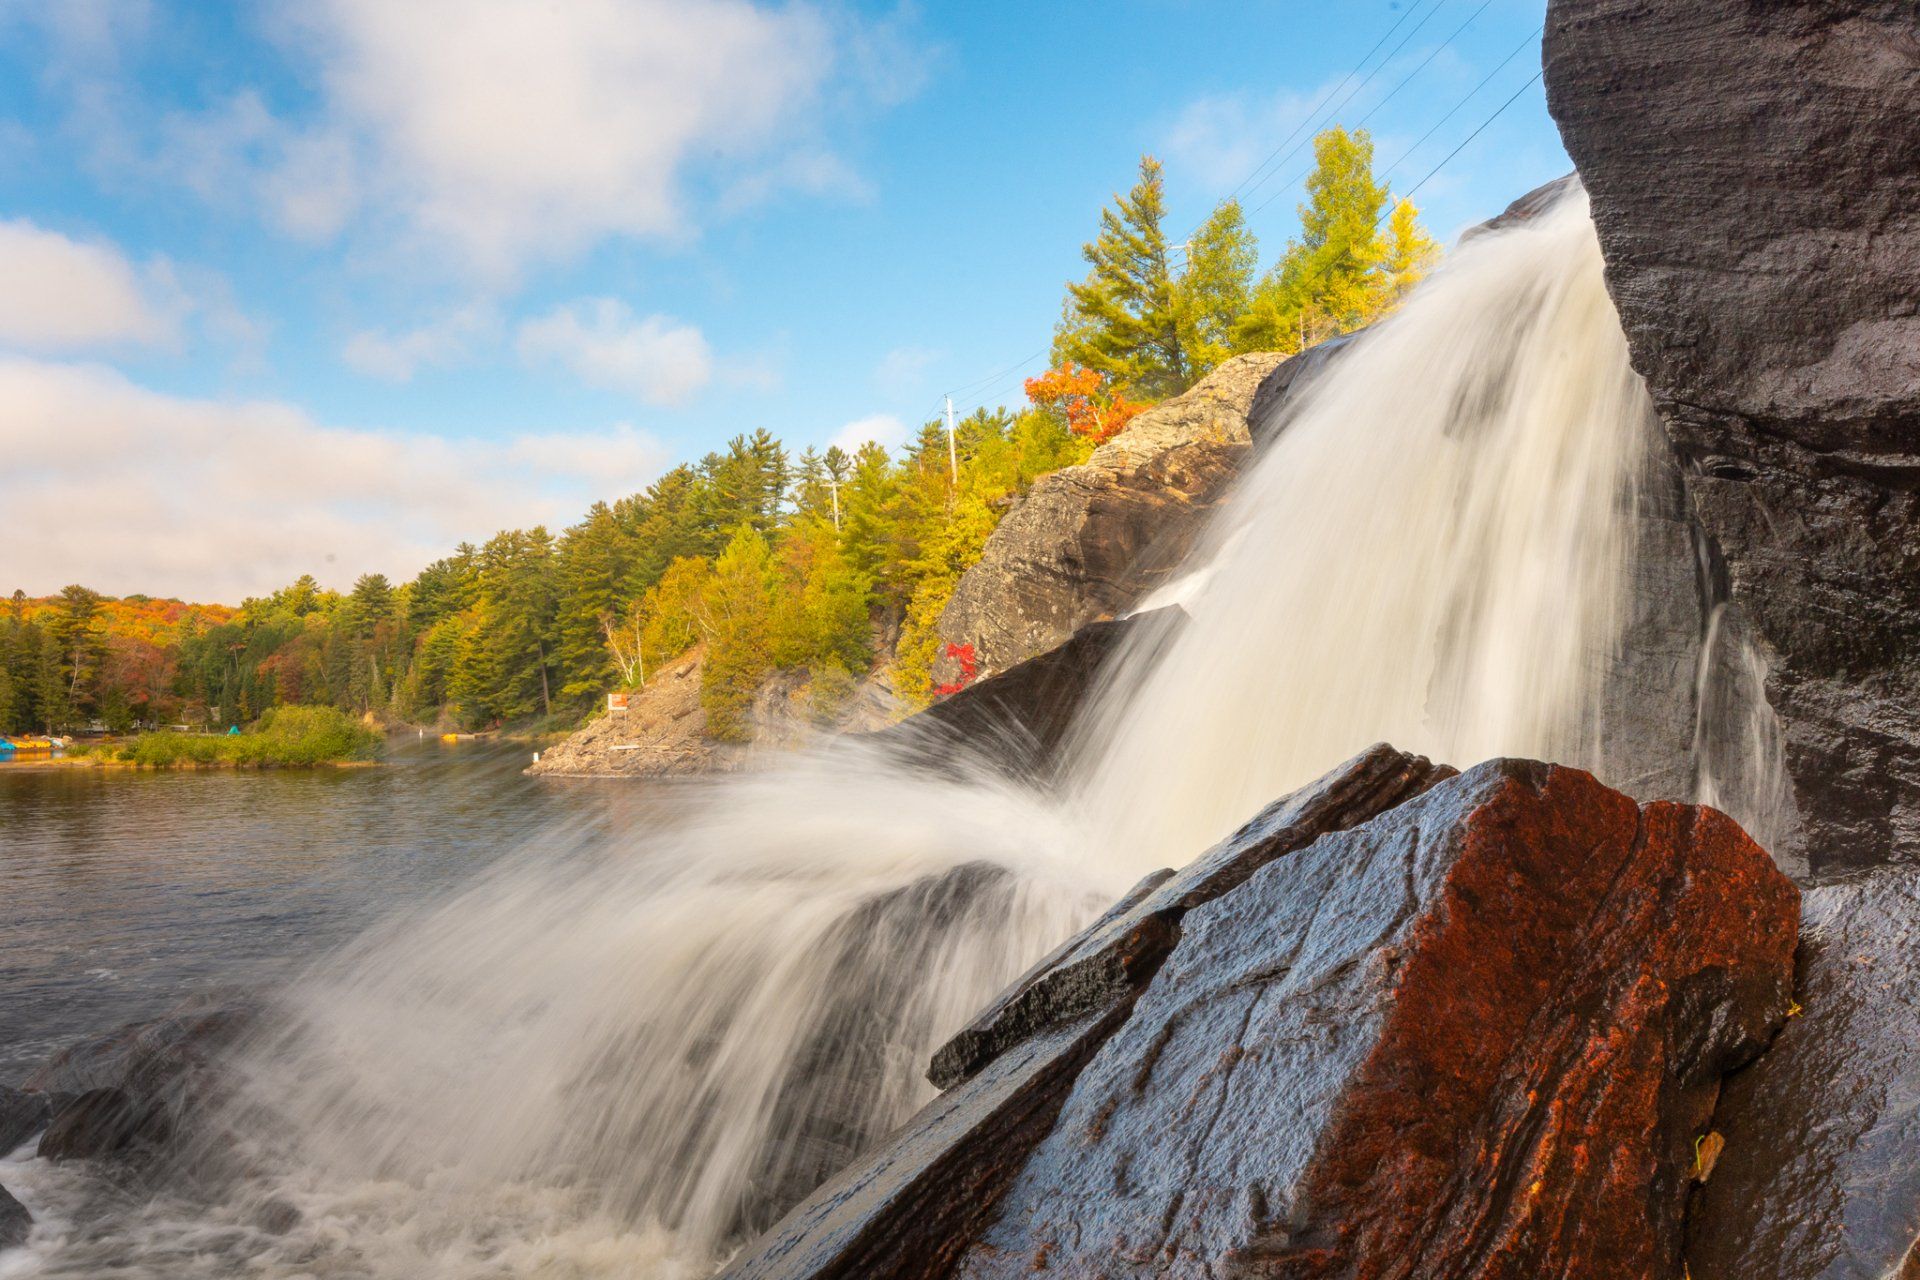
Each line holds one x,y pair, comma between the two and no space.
1092,541
1755,178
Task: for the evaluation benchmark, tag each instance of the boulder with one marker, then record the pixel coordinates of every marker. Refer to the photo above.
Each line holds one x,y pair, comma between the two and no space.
1020,719
1816,1176
100,1122
1107,963
1093,541
21,1116
15,1221
1475,1037
1754,172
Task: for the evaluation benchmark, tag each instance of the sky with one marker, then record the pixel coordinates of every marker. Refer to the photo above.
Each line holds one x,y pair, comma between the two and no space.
331,286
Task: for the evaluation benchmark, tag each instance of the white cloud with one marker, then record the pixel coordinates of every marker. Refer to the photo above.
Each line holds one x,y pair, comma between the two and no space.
900,370
1223,138
61,294
127,489
448,339
880,428
658,359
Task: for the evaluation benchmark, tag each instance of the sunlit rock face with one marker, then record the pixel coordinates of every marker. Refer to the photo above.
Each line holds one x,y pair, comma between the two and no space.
1754,176
1476,1036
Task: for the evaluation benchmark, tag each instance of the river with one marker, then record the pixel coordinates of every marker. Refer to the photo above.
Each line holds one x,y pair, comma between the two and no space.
127,890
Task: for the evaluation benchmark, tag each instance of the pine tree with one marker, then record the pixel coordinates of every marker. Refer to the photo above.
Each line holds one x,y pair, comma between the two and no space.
1123,321
1214,287
738,610
1409,254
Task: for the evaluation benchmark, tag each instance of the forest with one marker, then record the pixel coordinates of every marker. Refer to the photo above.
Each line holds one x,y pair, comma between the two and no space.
825,563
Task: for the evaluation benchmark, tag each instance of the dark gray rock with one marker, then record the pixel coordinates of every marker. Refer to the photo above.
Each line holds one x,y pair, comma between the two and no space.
21,1116
1818,1178
1754,171
99,1123
15,1221
1093,541
1019,720
908,1208
1106,964
1476,1037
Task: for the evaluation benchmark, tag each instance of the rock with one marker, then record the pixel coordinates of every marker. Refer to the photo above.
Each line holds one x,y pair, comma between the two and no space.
1093,541
138,1088
833,1104
906,1209
1107,963
1019,719
1754,173
21,1116
100,1122
15,1222
1475,1037
663,733
1818,1178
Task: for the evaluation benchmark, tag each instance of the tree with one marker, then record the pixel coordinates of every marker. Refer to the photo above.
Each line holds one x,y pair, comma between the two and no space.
737,610
1123,320
1341,273
1214,287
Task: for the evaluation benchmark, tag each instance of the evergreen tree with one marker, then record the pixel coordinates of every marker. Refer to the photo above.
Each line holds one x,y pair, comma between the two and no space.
1123,320
1214,287
738,612
1409,255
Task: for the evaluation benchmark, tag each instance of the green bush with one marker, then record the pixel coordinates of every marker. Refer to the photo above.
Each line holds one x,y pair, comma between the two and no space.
283,736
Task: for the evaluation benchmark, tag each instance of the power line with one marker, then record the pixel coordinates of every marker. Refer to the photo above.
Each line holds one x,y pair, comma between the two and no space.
1364,58
1385,213
1391,93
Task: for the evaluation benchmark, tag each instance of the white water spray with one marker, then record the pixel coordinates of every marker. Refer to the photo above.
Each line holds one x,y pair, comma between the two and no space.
615,1060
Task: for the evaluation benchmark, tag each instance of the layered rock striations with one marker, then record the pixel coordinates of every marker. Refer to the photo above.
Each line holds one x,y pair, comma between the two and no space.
1755,178
1478,1035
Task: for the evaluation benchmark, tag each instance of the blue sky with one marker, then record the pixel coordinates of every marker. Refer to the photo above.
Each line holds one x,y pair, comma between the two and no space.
329,286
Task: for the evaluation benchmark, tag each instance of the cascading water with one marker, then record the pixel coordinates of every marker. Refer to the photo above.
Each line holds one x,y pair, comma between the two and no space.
616,1059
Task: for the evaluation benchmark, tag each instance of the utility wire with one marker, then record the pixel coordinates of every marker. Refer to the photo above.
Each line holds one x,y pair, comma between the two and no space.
1385,213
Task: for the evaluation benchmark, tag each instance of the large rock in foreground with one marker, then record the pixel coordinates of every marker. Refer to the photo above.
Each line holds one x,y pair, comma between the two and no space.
1754,171
1478,1036
1819,1177
1092,541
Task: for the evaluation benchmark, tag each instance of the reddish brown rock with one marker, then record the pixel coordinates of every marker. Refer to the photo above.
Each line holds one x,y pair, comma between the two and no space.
1476,1037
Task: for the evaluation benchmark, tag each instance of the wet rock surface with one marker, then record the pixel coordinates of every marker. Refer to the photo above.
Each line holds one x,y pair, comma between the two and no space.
1092,541
1477,1036
1106,964
909,1207
21,1116
1755,187
1019,719
1819,1178
15,1221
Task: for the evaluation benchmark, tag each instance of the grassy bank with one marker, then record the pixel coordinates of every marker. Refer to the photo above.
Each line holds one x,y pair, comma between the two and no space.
284,736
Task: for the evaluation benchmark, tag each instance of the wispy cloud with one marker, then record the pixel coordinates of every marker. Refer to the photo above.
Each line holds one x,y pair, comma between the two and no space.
445,340
879,428
657,359
129,489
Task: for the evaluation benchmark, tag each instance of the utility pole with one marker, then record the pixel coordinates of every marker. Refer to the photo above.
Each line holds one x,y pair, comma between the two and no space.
833,487
953,450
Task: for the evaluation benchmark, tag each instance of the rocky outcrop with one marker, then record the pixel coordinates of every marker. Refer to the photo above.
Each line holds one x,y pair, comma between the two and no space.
1107,963
1019,720
663,731
1817,1176
1755,179
1092,541
15,1222
1476,1036
139,1089
22,1115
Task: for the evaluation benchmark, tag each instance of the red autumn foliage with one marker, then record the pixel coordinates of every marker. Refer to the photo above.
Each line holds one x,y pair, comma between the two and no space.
1093,409
969,667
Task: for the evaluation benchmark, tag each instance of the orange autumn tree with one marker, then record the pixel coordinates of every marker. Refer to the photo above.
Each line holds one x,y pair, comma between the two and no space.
1093,409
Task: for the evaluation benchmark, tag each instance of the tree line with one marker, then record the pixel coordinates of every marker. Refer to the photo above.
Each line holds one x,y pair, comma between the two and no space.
820,563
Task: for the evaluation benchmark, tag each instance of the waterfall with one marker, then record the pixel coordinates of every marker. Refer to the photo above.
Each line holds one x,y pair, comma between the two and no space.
616,1057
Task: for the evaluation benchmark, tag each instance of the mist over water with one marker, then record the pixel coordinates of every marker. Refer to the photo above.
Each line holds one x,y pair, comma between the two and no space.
618,1055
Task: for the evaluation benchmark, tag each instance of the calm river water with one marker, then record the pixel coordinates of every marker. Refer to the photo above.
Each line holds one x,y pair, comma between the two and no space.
122,892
